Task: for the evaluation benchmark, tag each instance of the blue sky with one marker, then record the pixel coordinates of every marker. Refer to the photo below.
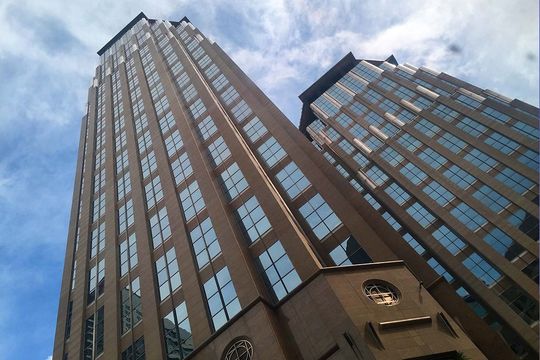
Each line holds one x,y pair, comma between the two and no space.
47,59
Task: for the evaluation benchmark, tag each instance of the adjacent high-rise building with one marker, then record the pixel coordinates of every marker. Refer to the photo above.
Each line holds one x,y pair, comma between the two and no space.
205,226
451,167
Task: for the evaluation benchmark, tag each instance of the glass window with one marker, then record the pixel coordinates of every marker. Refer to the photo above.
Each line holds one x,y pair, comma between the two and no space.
192,200
233,181
391,220
427,127
375,174
413,173
177,333
432,158
189,93
338,94
387,84
344,120
159,227
414,244
221,298
526,129
481,160
253,219
280,272
357,131
326,106
197,109
482,269
153,192
181,168
94,335
421,215
121,161
349,252
69,314
371,200
391,156
503,244
292,180
495,115
255,129
96,281
123,185
409,142
97,242
205,243
220,82
135,351
490,198
230,95
522,304
219,151
445,113
352,83
148,164
439,269
468,216
271,151
144,141
438,193
130,303
241,111
472,302
125,216
501,143
99,207
173,143
514,180
459,176
471,127
128,254
207,128
320,217
365,72
468,101
358,108
168,274
397,193
211,71
452,143
449,239
530,159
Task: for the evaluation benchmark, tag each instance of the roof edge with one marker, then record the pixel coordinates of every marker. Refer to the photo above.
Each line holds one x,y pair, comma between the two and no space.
122,32
329,78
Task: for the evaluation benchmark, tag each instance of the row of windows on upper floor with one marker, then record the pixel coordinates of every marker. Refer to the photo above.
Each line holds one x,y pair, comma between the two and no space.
343,97
370,75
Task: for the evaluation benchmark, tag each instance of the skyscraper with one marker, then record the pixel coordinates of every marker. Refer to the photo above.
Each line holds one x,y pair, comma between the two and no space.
452,167
204,225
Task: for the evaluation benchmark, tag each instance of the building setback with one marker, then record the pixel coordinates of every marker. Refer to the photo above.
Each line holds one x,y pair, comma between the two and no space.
205,226
452,168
